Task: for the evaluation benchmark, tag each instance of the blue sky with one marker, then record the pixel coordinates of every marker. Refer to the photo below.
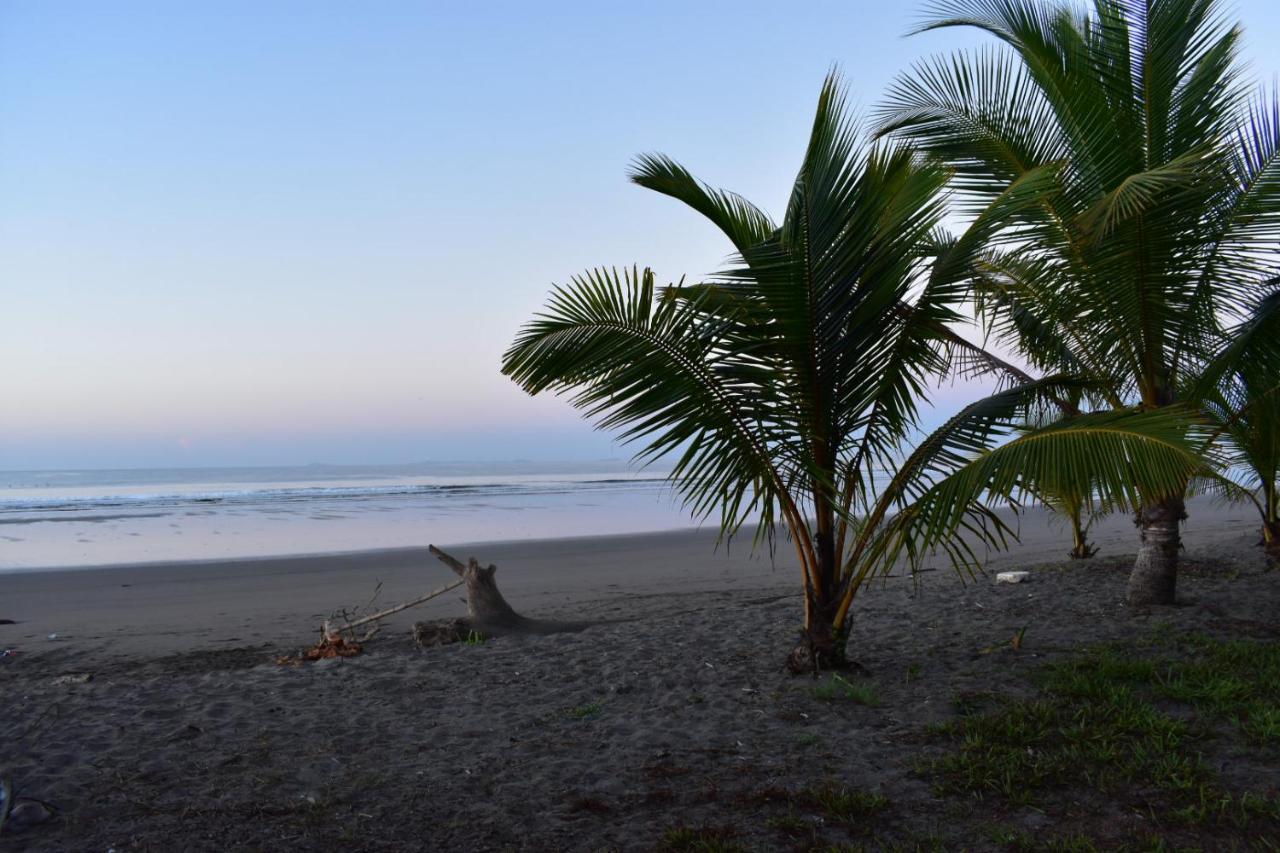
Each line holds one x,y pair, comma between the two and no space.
279,233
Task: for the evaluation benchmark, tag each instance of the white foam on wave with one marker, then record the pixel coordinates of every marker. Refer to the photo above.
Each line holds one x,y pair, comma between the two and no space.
198,494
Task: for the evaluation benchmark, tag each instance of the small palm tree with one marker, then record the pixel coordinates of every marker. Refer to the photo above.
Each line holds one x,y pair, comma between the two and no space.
1241,393
786,388
1072,505
1249,416
1152,236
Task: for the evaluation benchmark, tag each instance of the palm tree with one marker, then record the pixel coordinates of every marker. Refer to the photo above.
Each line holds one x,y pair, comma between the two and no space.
1072,505
786,387
1168,182
1241,393
1248,415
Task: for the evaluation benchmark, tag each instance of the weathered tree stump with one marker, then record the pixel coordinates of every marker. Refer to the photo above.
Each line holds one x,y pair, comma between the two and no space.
485,605
488,613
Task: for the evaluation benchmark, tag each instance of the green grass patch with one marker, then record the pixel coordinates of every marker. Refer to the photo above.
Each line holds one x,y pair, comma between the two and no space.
840,689
789,823
700,839
1019,841
841,803
1235,681
585,712
1130,723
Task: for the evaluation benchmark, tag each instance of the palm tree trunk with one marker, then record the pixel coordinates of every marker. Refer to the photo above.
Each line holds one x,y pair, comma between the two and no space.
1080,547
822,642
1271,538
1155,572
1271,521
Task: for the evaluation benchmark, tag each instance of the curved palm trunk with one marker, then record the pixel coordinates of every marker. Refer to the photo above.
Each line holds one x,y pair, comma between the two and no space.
1271,538
1155,572
822,642
1081,548
1271,523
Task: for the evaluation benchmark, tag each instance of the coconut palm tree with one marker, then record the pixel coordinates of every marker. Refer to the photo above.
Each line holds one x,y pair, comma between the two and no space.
1071,505
786,387
1240,390
1248,413
1166,208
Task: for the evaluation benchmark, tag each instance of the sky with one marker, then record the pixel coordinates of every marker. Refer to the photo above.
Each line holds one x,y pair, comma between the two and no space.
245,233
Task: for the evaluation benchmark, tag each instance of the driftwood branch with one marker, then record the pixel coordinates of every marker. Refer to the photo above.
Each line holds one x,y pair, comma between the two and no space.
383,614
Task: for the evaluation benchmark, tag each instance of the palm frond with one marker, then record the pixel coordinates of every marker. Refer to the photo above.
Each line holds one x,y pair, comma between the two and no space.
666,374
1114,460
742,222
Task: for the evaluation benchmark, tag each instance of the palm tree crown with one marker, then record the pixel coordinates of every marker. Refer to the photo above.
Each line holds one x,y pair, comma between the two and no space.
1167,179
786,386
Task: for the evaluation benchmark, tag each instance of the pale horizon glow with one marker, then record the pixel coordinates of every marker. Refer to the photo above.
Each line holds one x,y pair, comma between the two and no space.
274,234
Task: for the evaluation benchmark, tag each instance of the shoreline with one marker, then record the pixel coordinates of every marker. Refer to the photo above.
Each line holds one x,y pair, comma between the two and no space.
165,607
294,517
370,553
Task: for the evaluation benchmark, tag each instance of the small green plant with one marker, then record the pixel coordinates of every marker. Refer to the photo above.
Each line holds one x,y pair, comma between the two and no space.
841,803
1212,806
839,688
700,839
1260,723
1012,839
474,638
1069,844
970,702
1014,643
583,712
791,824
913,672
808,739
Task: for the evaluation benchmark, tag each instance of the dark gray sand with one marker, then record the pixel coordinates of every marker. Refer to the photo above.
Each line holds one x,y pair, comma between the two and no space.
672,711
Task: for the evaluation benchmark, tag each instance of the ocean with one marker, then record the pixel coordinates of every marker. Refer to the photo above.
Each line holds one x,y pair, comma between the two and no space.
64,519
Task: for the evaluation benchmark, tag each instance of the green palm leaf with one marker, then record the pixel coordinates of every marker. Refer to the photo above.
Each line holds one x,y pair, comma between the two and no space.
1114,460
1131,264
666,373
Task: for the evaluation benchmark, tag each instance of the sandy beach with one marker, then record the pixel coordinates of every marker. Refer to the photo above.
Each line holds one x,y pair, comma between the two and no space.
378,377
669,718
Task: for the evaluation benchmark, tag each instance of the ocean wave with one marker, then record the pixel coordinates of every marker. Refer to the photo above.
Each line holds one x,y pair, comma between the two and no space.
307,494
